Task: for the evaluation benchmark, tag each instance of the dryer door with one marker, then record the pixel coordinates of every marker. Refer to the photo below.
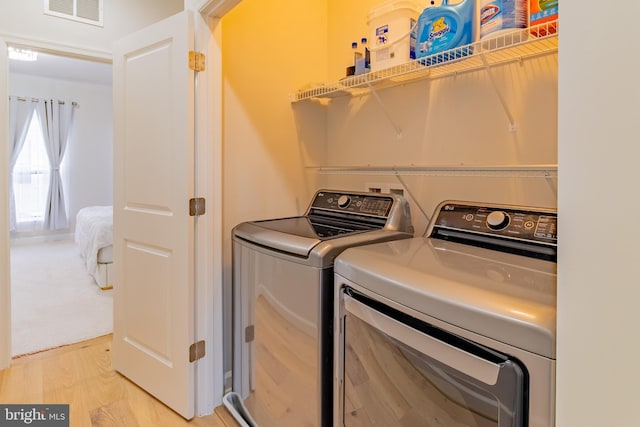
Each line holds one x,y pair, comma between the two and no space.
399,371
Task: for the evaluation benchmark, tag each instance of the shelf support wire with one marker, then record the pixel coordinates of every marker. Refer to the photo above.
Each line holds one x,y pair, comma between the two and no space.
505,107
406,187
552,185
385,110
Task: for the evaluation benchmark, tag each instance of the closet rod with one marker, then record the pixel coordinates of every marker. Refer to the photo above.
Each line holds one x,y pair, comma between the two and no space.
22,98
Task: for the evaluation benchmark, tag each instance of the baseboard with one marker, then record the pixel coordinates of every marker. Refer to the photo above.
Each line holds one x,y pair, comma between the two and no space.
40,238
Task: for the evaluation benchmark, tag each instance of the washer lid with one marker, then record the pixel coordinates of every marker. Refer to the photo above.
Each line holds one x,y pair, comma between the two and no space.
331,216
505,297
292,235
302,238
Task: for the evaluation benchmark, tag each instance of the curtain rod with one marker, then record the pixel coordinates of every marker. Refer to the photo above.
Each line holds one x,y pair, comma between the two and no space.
22,98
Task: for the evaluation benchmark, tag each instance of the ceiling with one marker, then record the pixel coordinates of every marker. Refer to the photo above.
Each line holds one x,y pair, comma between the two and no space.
64,68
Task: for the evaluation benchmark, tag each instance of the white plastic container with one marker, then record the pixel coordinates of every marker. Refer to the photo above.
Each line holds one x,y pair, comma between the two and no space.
391,41
500,17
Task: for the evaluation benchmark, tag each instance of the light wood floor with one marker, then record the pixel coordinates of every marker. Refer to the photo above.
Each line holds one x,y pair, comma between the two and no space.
81,375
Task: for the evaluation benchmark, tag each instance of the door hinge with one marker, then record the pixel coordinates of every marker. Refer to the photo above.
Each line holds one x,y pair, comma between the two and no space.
196,351
196,60
197,206
249,334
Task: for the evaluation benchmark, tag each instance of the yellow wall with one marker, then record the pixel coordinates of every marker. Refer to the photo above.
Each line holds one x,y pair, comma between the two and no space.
269,50
455,120
272,49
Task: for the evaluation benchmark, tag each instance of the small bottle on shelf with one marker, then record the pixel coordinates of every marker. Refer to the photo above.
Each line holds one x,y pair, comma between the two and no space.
367,55
351,70
358,59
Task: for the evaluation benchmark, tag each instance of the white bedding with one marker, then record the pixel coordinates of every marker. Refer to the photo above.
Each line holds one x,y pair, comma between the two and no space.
94,231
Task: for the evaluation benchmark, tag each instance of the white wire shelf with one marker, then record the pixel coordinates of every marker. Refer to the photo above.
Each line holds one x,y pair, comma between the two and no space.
510,47
512,171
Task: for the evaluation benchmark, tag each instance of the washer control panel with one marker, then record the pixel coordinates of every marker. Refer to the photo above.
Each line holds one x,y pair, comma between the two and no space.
356,203
508,228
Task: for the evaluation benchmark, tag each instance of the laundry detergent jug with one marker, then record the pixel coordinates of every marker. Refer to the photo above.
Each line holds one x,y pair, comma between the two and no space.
443,28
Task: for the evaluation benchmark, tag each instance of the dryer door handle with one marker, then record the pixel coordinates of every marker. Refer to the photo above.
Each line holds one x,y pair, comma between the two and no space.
460,360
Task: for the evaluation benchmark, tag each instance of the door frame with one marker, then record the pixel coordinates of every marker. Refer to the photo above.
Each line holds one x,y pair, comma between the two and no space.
5,274
209,374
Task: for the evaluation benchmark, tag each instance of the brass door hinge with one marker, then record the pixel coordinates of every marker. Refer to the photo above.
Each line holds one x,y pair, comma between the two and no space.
196,351
249,333
196,61
197,206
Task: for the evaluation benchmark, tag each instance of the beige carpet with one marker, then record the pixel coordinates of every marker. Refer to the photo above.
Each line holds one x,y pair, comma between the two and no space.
54,301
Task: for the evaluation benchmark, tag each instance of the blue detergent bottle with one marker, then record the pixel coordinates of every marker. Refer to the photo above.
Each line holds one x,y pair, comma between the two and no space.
443,28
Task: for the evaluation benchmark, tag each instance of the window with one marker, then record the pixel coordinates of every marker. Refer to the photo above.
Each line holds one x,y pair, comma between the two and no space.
31,180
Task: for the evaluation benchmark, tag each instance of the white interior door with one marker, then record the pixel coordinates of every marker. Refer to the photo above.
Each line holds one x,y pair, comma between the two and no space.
153,231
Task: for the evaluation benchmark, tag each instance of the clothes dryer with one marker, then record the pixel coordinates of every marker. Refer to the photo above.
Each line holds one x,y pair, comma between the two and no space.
454,328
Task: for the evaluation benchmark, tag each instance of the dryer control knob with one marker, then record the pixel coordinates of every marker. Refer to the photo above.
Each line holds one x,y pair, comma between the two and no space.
497,220
344,201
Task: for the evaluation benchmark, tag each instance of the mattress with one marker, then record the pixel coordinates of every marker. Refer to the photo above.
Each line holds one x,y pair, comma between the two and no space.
105,255
94,235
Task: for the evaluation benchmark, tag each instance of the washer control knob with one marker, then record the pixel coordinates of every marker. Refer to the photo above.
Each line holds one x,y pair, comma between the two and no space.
344,201
497,220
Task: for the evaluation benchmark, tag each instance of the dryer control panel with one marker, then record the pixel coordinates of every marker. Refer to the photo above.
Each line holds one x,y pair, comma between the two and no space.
517,229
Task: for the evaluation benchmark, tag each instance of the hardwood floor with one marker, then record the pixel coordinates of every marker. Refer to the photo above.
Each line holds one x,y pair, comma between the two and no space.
81,375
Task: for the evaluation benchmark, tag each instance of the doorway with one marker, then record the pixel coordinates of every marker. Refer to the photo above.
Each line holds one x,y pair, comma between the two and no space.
88,170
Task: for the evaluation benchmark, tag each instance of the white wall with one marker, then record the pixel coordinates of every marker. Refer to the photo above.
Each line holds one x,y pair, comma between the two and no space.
26,20
599,268
89,155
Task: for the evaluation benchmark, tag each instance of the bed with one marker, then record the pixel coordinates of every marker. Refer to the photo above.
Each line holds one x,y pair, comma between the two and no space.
94,237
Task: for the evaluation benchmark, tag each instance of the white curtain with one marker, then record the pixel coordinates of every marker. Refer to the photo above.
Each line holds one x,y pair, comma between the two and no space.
56,119
20,114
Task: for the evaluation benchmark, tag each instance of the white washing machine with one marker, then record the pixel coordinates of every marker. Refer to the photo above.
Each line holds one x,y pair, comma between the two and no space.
457,328
283,304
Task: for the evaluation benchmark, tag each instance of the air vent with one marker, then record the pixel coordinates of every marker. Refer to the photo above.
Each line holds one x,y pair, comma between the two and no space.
61,6
86,11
